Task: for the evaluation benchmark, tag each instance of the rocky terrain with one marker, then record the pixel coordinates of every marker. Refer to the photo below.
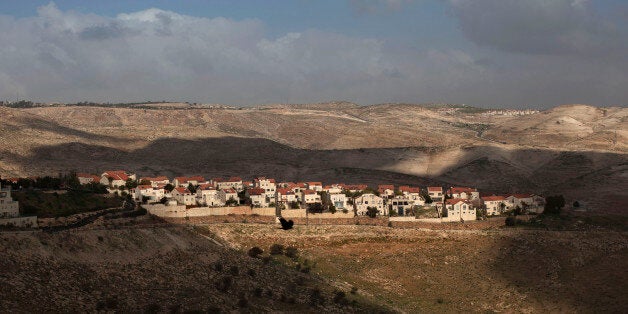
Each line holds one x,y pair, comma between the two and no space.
158,269
576,150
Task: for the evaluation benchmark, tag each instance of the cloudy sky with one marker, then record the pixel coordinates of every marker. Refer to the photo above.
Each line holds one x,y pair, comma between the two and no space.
532,53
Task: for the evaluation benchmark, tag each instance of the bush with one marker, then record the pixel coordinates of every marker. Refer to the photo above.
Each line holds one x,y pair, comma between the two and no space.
234,270
354,290
217,266
292,252
511,221
276,249
316,297
224,284
255,252
340,298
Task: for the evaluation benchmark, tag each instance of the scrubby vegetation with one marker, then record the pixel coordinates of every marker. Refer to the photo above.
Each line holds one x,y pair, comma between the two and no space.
60,204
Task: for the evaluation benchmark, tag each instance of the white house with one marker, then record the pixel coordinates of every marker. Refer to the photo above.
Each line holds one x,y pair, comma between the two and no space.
185,181
235,183
86,178
435,193
285,196
369,200
310,197
227,194
339,200
258,197
333,189
458,210
268,185
183,196
155,181
494,204
10,211
8,207
116,178
401,205
464,193
386,190
154,194
412,193
316,186
207,195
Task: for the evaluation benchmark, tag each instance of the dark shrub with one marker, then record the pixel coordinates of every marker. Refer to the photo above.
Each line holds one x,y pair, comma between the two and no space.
234,270
511,221
292,252
276,249
340,297
224,284
255,252
217,266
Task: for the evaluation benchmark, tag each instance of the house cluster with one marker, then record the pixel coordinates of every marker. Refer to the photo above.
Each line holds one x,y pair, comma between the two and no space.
455,203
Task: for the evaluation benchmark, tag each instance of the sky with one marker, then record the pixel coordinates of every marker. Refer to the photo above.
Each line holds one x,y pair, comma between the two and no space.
486,53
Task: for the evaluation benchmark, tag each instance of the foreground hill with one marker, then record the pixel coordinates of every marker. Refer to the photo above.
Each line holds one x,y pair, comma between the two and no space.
162,269
576,150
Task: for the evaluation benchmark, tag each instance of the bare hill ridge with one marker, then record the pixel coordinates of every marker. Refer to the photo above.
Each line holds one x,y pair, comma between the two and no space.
577,150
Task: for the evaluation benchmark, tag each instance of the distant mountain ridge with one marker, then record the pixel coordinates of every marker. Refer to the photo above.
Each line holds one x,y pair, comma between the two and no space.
576,150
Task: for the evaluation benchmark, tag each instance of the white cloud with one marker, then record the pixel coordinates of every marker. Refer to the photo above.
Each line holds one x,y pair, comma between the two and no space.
156,54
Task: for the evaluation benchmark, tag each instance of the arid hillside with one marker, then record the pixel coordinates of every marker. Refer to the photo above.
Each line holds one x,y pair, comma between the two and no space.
576,150
163,269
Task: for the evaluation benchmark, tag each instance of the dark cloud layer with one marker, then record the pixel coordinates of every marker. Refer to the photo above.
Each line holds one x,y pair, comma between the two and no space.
528,53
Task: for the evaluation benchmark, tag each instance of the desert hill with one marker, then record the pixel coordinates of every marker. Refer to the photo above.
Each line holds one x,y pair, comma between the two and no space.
576,150
154,270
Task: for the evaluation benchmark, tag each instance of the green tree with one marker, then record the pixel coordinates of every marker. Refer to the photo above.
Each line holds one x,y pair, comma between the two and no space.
192,188
130,184
427,197
169,187
315,208
231,202
294,205
372,212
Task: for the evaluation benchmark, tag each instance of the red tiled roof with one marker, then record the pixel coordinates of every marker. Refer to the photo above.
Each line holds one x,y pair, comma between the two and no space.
434,189
256,191
520,195
458,190
159,178
454,201
183,190
493,198
410,189
234,179
206,187
284,191
117,175
308,192
218,179
314,183
383,187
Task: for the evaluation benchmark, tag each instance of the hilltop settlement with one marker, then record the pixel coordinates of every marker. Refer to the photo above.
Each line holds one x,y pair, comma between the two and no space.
211,196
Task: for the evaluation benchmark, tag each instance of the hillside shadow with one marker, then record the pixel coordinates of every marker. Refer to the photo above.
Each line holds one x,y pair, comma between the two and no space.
526,170
564,271
39,124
